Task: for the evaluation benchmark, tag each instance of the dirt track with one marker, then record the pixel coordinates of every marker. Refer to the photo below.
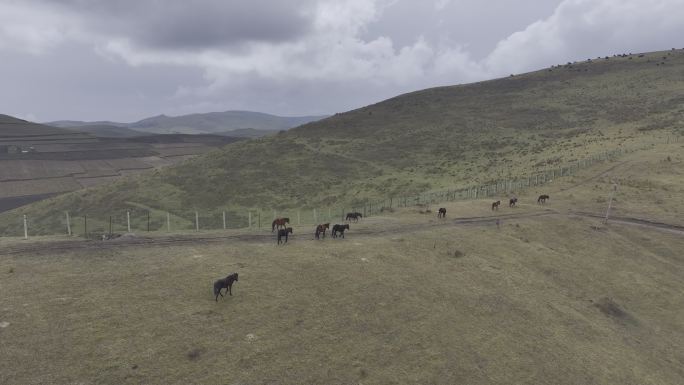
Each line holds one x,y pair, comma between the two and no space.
80,244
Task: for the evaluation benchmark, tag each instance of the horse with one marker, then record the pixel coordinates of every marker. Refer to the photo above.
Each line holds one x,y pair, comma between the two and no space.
283,233
542,199
354,216
441,213
321,229
225,283
279,222
339,229
495,205
512,202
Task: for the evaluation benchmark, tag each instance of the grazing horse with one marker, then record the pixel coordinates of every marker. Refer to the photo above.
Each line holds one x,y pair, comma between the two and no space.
279,222
225,283
512,202
542,199
495,205
321,229
354,216
441,213
339,229
283,233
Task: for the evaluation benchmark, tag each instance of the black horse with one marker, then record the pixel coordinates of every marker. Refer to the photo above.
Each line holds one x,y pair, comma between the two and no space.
320,229
542,199
283,233
512,202
339,229
495,205
354,216
441,213
225,283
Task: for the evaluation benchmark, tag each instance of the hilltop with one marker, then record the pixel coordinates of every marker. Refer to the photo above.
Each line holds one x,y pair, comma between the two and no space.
445,136
223,123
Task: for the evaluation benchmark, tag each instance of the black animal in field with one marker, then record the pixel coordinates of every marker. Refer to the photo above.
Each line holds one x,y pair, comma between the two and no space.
441,213
283,233
542,199
225,283
339,229
495,205
354,216
512,202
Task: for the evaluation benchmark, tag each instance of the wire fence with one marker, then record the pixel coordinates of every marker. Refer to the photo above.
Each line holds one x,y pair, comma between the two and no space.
143,219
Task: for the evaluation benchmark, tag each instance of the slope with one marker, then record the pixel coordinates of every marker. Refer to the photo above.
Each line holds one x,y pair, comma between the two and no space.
446,136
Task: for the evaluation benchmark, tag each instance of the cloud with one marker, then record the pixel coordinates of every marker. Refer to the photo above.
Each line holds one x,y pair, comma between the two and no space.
311,56
580,29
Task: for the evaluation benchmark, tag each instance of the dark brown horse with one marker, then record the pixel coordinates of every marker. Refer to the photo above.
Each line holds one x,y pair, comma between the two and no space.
354,216
495,205
225,283
441,213
283,233
512,202
320,229
542,199
339,229
279,222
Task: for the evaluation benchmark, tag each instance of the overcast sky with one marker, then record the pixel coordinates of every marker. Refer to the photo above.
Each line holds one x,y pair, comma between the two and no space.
129,59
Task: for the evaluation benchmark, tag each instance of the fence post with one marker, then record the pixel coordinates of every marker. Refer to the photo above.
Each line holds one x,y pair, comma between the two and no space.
224,220
196,221
68,224
148,221
259,213
25,227
85,226
110,226
128,220
249,214
315,217
168,221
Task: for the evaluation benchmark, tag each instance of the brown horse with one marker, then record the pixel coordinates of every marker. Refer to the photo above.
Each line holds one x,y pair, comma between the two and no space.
542,199
441,213
512,202
279,222
495,205
321,229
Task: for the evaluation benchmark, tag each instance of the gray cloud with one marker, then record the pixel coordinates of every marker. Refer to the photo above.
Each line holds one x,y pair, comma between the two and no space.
124,60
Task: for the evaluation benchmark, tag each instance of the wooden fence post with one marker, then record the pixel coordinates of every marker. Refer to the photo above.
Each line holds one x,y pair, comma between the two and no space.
128,220
168,221
196,221
249,215
224,220
25,227
85,225
68,224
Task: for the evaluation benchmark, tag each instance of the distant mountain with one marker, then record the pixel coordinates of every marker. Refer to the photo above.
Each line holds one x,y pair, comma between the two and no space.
223,123
106,131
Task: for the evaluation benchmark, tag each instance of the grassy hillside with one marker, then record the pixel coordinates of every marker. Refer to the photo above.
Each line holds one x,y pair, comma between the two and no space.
447,136
547,298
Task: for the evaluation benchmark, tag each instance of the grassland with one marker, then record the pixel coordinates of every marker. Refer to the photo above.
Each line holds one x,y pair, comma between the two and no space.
548,298
430,139
36,160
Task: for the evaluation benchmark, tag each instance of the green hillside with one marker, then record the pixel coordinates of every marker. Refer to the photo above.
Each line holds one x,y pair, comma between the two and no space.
447,136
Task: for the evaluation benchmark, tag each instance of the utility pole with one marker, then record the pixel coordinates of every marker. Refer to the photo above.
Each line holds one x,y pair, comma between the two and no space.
610,201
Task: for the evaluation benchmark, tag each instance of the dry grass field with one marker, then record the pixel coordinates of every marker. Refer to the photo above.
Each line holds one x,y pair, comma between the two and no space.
548,297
